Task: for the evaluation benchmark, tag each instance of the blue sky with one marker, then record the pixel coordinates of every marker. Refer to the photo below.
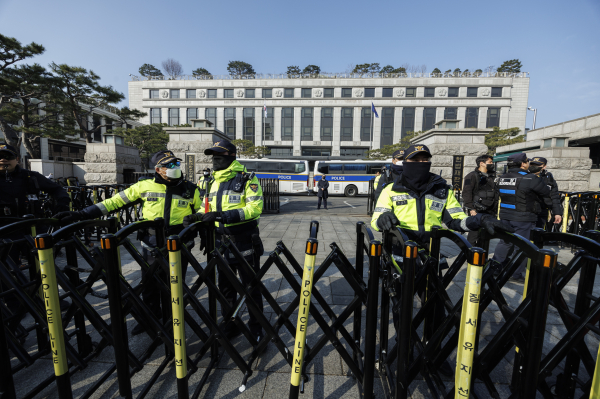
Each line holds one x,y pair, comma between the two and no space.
558,42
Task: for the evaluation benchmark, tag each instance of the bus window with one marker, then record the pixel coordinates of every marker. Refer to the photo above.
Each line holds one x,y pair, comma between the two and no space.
374,168
288,167
323,168
268,167
250,166
299,168
336,169
355,168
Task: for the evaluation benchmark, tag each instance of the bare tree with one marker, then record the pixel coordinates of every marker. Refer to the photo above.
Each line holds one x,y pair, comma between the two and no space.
350,68
490,69
422,68
172,68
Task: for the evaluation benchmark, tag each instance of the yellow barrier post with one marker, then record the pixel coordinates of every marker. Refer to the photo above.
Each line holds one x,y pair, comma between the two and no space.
303,312
44,244
565,220
177,280
467,339
595,391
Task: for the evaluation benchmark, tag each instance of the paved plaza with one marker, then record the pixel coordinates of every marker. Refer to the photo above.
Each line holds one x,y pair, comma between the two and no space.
329,375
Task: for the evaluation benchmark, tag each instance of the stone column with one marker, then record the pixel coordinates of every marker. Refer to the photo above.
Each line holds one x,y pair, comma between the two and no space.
461,114
439,114
419,119
164,115
277,123
482,122
397,124
337,119
258,120
356,123
221,118
377,128
297,133
317,124
239,123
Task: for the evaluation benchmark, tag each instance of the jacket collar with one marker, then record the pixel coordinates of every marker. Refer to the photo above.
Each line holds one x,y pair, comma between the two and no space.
227,174
434,180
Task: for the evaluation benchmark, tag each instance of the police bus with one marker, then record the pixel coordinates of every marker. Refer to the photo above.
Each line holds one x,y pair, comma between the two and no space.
292,175
348,177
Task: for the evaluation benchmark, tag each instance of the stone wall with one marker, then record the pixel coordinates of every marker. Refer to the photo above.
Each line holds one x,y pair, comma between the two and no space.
570,166
105,162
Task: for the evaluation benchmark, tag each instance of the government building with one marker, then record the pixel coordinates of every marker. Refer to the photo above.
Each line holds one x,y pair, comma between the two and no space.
330,115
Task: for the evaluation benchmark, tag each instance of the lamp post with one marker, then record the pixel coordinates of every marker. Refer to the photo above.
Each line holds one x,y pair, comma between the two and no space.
534,115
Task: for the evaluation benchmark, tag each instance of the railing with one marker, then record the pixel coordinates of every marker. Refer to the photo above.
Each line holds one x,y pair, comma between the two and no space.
328,75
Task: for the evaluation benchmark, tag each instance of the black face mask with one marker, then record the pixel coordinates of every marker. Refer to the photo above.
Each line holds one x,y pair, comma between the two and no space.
416,175
397,168
221,162
535,168
489,167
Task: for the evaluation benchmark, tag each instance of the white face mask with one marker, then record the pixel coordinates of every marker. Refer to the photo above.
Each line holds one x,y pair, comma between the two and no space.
174,173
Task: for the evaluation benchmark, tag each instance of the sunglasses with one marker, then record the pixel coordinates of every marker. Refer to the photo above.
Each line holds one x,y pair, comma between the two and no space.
171,165
8,157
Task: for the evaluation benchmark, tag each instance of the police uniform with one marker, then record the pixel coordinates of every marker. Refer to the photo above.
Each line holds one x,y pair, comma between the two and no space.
389,175
172,200
548,179
376,182
479,195
235,204
520,193
204,183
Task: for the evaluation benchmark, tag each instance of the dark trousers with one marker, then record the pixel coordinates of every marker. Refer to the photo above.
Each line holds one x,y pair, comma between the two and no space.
324,202
505,250
244,244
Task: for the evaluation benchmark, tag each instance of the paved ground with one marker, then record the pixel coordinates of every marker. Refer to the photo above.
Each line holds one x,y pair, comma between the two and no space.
270,379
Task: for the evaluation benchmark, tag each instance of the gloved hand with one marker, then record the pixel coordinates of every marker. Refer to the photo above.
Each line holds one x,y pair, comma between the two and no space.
191,219
203,239
490,224
387,220
69,217
211,216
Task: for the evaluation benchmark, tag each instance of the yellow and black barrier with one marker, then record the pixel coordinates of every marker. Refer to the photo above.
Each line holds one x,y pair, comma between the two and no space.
43,243
595,389
468,335
303,313
177,280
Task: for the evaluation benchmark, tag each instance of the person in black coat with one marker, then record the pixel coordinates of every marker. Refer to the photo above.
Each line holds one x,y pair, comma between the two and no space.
322,192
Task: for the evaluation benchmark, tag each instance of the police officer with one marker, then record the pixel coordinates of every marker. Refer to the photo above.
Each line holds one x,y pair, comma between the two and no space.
204,182
537,166
390,175
519,192
377,177
478,191
236,203
168,196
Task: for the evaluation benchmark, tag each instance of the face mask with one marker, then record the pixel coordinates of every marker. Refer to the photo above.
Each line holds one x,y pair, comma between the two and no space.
416,175
174,173
397,168
489,167
535,168
221,162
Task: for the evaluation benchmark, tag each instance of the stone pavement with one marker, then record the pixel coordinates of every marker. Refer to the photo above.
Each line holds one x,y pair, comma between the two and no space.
329,376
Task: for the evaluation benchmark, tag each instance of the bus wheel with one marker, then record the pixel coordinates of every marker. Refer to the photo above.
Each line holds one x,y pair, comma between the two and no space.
350,191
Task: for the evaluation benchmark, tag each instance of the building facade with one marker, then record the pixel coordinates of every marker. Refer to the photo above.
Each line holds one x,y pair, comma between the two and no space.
330,115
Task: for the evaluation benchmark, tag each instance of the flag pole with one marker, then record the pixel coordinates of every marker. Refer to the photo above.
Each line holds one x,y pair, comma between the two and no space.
371,144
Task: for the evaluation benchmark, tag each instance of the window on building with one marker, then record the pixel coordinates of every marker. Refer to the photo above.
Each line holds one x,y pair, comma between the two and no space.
365,124
316,151
451,113
346,92
453,92
288,93
387,126
267,93
408,121
287,123
547,143
155,115
190,93
369,92
353,152
326,124
210,114
174,93
493,117
428,118
191,113
173,116
328,93
347,124
472,117
306,93
471,91
496,91
228,93
411,92
248,127
269,123
280,152
97,122
387,92
250,93
429,92
153,93
560,142
230,122
212,93
306,124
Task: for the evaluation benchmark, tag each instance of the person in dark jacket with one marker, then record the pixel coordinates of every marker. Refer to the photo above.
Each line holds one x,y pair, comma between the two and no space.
390,175
322,193
537,166
478,191
519,192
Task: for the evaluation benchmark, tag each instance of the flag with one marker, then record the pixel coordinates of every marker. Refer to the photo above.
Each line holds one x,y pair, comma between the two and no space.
374,110
265,108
